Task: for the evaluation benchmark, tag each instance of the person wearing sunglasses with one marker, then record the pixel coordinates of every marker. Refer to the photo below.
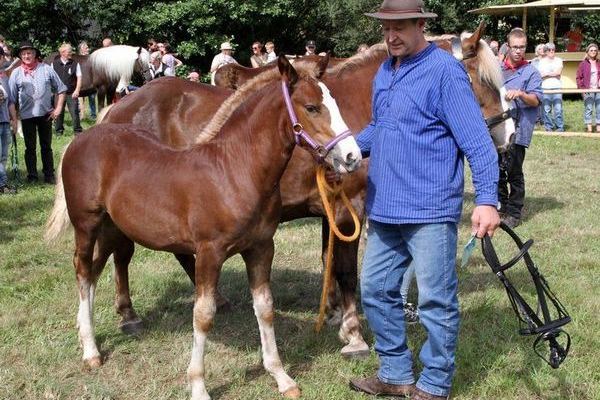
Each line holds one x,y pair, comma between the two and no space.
258,58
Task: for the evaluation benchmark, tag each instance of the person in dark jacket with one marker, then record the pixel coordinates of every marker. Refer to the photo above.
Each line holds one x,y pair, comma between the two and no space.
588,77
69,72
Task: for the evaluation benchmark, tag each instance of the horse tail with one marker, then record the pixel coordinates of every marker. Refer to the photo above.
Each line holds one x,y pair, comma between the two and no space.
59,221
103,113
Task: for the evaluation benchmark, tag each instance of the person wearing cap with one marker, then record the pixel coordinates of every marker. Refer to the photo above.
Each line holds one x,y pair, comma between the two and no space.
69,72
588,77
425,121
32,85
311,48
550,68
223,58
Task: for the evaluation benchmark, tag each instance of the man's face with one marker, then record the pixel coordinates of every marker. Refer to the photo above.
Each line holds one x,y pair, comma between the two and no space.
27,56
402,36
227,52
65,54
517,46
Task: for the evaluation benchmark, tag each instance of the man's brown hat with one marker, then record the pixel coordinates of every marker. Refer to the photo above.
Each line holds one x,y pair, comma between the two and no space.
401,9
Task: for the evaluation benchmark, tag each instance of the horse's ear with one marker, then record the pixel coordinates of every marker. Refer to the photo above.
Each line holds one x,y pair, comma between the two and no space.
471,44
322,64
139,50
286,70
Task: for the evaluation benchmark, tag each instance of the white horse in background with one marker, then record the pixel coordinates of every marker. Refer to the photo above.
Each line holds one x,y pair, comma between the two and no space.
113,67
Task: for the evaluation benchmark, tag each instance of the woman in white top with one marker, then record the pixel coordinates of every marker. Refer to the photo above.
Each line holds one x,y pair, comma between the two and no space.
550,68
587,78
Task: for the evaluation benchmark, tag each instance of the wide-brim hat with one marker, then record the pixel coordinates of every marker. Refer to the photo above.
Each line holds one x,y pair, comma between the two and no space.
26,46
401,9
226,46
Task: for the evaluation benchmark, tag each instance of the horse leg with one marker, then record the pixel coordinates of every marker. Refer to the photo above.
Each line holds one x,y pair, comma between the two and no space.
345,256
130,323
188,262
208,264
334,309
87,270
258,266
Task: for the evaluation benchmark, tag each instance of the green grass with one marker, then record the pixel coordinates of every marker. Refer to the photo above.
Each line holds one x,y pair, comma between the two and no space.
40,358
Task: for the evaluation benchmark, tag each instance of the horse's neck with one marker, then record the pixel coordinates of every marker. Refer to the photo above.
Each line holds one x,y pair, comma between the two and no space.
256,137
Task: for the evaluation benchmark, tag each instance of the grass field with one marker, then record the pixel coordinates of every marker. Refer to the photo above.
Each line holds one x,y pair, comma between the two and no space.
40,358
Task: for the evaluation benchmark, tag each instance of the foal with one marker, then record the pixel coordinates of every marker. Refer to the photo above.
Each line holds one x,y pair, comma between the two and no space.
223,200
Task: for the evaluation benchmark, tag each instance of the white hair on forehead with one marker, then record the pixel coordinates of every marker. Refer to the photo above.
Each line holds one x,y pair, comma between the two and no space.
65,46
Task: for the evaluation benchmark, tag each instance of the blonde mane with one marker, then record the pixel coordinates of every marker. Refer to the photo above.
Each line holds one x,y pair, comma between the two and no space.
242,93
357,60
489,69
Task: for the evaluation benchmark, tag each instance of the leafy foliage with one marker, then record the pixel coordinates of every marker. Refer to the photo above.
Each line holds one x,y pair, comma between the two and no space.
195,28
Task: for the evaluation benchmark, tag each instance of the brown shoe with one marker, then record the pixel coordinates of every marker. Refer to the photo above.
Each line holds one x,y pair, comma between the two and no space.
375,387
421,395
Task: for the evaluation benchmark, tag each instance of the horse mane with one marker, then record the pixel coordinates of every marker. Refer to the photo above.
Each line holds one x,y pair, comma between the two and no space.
242,93
374,52
117,61
488,70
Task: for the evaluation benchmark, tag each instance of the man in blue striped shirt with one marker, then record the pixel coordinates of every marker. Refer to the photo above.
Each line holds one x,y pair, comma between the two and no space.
425,120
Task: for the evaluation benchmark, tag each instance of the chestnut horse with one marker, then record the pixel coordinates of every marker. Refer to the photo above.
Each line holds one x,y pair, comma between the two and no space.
211,212
173,109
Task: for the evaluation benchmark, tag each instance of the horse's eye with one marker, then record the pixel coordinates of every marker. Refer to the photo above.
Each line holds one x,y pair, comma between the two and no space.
312,108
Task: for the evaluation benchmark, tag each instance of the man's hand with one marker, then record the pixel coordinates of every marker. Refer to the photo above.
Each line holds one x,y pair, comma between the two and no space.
485,219
513,94
14,124
75,94
54,114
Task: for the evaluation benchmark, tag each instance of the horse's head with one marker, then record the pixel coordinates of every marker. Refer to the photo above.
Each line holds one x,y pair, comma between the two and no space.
487,82
315,117
142,64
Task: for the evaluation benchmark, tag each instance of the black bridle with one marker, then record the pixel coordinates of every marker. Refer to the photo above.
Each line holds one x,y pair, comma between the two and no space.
544,323
494,120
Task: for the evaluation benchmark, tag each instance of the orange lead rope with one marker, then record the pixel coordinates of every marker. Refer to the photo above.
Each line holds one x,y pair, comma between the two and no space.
328,196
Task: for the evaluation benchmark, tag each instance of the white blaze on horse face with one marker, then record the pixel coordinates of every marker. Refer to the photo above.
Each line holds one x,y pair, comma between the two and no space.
346,154
508,124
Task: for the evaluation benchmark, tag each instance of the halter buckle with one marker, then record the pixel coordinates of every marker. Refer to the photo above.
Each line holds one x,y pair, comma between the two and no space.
297,128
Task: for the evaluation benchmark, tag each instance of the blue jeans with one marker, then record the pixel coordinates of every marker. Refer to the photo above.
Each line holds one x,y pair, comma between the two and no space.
5,141
431,249
92,100
552,102
591,101
407,279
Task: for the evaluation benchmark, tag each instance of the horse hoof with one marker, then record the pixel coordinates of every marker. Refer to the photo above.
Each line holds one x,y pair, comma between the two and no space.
292,393
132,327
356,352
93,363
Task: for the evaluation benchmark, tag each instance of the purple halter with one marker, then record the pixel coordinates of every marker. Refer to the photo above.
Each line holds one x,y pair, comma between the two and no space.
299,132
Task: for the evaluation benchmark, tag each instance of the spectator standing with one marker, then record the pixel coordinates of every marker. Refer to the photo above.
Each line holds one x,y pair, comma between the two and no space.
540,52
413,164
523,84
157,67
223,58
587,77
270,48
5,136
311,48
494,46
152,45
194,76
169,59
362,48
550,68
502,52
31,85
258,59
84,50
69,72
573,39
